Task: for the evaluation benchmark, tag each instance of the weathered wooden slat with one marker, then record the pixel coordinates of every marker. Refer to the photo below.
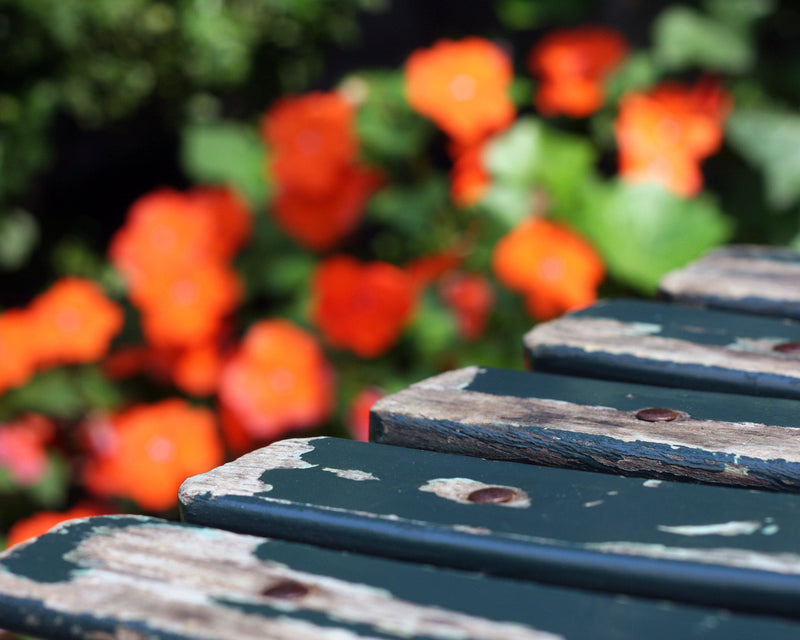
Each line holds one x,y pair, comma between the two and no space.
749,278
694,543
135,578
572,422
671,345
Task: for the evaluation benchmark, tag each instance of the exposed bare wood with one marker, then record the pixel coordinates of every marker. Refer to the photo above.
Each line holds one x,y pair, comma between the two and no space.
175,579
620,338
246,470
737,273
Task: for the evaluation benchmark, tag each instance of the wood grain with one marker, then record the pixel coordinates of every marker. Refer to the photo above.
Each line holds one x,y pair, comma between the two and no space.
136,578
694,543
748,278
670,345
586,424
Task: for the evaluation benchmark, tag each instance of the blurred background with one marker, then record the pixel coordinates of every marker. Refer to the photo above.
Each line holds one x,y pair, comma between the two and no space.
224,222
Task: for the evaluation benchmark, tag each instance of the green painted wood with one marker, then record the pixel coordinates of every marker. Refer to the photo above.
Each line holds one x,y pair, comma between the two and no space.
749,278
136,578
702,544
573,422
671,345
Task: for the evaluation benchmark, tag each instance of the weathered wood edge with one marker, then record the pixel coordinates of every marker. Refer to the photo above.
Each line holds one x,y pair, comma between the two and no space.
747,278
153,579
604,347
441,414
735,577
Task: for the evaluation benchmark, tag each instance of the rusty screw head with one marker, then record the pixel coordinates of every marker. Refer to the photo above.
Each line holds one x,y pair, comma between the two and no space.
286,590
492,495
792,348
657,414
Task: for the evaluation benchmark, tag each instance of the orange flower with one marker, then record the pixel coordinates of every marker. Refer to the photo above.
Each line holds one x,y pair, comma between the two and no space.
165,230
320,221
186,308
74,322
22,448
462,86
147,451
362,307
358,416
471,297
556,270
663,135
311,138
469,180
19,349
572,66
277,381
197,369
232,219
43,521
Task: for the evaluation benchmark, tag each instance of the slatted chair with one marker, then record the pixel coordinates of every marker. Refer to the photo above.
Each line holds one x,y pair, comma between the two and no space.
643,481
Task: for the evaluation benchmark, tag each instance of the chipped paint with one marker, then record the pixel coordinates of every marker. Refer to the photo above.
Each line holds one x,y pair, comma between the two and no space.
594,503
732,528
652,484
351,474
457,490
476,531
165,578
242,477
783,563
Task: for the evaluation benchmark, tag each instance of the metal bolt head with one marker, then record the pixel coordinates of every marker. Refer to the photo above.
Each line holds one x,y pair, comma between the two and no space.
492,495
286,590
792,348
657,414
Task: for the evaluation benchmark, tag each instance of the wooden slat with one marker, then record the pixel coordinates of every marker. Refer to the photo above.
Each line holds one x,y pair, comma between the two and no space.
135,578
694,543
572,422
749,278
671,345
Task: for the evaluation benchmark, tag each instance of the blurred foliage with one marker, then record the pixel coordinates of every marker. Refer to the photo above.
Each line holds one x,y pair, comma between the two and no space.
100,62
210,69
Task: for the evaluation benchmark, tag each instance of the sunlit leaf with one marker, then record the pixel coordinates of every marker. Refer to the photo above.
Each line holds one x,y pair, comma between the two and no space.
226,153
19,234
643,231
533,159
683,37
770,140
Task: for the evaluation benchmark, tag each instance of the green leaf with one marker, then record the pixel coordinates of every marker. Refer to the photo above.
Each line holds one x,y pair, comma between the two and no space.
65,392
51,491
509,204
226,153
683,37
644,231
740,12
770,140
531,157
410,208
19,234
389,131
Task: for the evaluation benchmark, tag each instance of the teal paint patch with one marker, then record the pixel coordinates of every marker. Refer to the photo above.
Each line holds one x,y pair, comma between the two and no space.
702,326
45,558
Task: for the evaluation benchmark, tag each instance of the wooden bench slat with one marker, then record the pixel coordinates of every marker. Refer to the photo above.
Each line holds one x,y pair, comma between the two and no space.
137,578
749,278
695,543
662,344
573,422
